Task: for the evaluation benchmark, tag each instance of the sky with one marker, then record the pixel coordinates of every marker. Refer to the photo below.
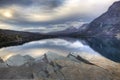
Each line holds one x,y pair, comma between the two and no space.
49,15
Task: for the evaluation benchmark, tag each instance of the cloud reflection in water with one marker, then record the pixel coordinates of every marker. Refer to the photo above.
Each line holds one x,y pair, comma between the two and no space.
38,48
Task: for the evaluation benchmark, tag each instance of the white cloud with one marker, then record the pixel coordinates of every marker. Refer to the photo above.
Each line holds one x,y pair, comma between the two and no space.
44,11
37,12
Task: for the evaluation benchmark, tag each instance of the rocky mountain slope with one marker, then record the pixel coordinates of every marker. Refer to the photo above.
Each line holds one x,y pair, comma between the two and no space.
108,24
70,31
49,67
103,34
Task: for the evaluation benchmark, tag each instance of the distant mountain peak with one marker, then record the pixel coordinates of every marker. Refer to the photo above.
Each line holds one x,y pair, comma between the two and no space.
104,33
108,23
115,6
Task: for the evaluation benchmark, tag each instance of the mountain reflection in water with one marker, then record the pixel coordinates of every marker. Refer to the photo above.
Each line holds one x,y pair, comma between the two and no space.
38,48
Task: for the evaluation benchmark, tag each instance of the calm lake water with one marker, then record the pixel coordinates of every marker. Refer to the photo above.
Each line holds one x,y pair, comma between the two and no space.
59,46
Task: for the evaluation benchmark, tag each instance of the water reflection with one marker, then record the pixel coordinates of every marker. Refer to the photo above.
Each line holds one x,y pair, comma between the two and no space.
59,46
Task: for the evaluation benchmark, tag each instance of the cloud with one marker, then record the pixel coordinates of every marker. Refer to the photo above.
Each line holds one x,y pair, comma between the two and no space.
6,26
44,28
49,3
4,3
27,13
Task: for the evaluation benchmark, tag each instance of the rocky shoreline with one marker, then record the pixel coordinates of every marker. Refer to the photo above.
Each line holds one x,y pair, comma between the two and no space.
57,67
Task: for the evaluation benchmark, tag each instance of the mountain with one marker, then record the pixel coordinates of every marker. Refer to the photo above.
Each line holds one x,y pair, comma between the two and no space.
70,31
103,33
9,37
108,23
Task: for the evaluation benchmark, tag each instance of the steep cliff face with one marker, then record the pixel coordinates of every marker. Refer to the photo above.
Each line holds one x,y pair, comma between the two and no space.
108,23
104,33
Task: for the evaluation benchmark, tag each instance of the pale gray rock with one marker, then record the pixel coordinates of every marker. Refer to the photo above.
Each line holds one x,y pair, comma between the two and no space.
18,60
2,63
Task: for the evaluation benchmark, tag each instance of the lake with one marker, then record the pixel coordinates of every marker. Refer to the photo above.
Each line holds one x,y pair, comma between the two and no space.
59,46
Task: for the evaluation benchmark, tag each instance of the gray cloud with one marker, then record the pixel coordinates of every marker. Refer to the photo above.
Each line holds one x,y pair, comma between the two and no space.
50,3
4,3
36,13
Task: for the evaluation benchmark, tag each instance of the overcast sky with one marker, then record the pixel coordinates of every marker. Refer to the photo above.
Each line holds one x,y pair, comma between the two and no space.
49,14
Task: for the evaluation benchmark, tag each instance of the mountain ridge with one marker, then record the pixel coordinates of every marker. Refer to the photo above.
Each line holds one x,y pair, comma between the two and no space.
104,33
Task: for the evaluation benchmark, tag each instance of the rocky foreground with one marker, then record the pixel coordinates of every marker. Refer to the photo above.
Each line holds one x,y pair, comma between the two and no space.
52,66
